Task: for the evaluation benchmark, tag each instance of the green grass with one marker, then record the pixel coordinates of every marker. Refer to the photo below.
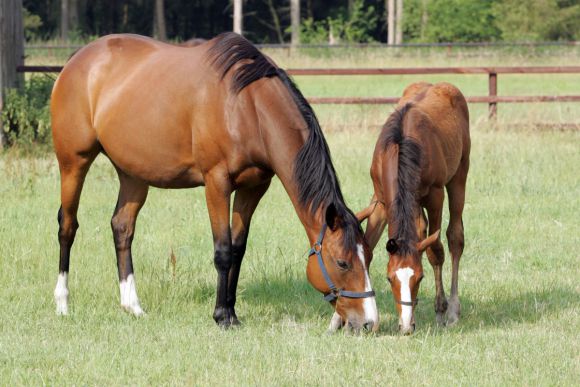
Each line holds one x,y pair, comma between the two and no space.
518,283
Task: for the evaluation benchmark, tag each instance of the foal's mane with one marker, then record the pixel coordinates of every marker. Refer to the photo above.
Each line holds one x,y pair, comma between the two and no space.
404,207
318,185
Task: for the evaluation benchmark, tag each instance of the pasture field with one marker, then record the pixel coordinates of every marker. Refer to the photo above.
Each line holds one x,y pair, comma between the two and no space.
518,277
518,283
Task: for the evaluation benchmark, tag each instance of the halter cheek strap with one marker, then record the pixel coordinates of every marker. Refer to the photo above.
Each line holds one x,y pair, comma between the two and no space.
334,291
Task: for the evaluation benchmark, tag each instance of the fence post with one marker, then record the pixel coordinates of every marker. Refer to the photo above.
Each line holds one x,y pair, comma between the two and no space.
492,93
11,50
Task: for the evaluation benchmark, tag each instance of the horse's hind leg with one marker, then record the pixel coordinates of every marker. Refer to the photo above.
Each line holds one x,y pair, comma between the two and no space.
435,252
132,196
245,203
73,169
455,238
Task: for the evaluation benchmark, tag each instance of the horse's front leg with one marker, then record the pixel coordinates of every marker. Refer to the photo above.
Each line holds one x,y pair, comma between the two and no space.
217,193
245,202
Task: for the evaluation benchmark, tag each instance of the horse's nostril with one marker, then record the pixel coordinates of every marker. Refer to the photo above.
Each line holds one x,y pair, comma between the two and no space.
368,326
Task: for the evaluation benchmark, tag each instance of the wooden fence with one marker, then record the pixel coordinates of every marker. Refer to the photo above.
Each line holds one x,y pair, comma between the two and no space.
492,99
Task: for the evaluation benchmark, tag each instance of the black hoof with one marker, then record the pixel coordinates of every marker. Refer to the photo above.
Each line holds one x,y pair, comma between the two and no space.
225,317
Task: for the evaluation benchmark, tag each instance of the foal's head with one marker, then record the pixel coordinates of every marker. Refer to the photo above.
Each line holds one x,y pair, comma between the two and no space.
404,273
345,257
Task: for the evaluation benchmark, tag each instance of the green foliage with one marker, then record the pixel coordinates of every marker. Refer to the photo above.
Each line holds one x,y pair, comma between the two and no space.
26,113
350,27
459,21
32,23
538,20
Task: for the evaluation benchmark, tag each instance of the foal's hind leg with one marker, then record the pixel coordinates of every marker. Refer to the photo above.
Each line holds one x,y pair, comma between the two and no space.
132,196
435,252
245,202
73,169
455,238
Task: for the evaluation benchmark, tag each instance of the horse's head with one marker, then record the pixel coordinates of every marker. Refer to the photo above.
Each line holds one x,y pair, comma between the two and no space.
404,273
338,267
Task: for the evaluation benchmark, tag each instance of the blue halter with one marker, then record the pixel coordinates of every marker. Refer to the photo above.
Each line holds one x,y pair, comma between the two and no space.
334,291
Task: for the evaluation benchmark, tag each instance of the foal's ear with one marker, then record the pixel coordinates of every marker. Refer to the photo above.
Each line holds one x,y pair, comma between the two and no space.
332,217
364,214
422,246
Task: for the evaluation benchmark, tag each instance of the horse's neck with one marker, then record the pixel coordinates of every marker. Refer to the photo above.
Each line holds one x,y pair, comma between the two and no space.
284,133
389,182
390,186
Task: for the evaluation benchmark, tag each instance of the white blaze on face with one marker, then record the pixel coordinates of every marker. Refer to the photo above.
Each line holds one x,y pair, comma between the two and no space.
61,294
369,303
129,299
404,275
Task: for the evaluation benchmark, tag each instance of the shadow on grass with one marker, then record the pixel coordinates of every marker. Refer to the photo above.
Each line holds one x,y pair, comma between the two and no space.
286,296
527,307
300,301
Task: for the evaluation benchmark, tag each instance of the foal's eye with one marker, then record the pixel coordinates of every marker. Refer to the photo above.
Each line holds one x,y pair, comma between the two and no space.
342,264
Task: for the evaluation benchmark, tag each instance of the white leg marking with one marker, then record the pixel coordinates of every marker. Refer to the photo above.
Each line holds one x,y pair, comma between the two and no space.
129,299
335,323
406,311
369,303
61,294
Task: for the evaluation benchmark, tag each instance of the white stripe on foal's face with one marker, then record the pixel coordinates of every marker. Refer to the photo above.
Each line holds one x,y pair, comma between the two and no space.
61,294
129,299
369,303
404,275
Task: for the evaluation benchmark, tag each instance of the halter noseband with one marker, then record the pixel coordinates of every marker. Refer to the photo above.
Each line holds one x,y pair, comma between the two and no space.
334,291
409,303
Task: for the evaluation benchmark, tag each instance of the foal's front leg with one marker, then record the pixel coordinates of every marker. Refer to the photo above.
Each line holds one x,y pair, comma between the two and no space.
435,252
217,193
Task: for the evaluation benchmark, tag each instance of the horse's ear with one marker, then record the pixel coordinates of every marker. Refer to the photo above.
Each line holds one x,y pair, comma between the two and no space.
332,217
362,215
422,246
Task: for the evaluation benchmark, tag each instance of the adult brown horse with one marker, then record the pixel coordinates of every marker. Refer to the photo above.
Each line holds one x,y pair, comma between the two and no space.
423,147
220,115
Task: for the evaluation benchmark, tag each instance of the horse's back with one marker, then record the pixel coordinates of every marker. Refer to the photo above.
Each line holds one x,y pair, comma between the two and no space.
135,97
442,110
441,101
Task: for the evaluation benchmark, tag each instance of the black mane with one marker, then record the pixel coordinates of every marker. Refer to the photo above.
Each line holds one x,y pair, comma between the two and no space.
318,185
404,207
231,48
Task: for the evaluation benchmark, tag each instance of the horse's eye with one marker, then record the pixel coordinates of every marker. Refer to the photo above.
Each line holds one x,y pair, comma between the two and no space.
390,280
342,264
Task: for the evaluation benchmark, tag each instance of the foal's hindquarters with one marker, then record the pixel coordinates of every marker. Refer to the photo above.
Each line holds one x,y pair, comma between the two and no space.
423,149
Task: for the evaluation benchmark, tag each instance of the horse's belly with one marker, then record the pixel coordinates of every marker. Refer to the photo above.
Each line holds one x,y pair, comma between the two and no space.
159,167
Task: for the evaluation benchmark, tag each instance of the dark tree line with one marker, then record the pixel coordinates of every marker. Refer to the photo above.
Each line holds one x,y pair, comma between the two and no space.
268,21
264,20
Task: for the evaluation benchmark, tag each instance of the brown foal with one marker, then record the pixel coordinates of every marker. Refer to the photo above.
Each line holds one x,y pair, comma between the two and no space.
221,115
422,149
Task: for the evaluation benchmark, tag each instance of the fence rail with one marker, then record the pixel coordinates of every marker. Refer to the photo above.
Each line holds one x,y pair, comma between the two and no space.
360,45
492,99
